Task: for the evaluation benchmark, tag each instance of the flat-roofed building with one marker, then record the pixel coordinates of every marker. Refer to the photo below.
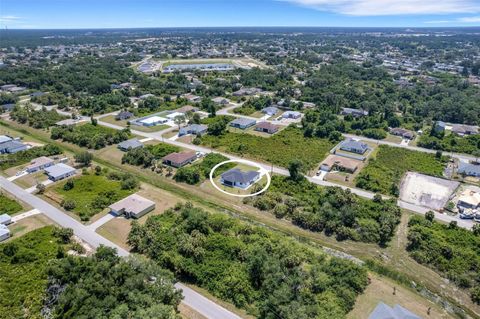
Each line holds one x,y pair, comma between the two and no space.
133,206
59,171
179,159
39,164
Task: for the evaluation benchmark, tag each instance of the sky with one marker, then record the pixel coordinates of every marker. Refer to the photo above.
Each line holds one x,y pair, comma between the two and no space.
73,14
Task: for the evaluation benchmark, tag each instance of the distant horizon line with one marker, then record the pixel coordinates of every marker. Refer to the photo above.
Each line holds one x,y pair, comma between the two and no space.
6,28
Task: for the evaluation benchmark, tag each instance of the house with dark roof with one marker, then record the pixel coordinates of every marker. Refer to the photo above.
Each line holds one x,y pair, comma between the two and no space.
179,159
353,112
266,127
194,129
239,179
270,110
129,145
123,115
404,133
353,146
469,169
383,311
243,123
12,146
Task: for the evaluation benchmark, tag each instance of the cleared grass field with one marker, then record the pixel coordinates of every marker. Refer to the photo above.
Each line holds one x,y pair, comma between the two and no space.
388,165
90,194
280,149
9,206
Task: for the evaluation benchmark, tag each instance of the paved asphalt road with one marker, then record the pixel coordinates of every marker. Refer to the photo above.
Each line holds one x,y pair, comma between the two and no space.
196,301
282,171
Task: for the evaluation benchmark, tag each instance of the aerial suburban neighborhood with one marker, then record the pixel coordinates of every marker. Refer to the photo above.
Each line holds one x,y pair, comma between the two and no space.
240,172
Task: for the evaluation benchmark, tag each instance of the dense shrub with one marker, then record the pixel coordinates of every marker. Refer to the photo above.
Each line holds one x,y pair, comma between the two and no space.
452,251
268,274
23,157
89,135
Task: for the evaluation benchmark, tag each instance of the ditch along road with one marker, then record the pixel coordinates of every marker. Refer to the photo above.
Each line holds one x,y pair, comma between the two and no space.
191,298
282,171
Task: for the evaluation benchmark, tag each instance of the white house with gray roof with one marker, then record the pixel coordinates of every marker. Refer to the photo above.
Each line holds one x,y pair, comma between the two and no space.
239,179
129,145
194,129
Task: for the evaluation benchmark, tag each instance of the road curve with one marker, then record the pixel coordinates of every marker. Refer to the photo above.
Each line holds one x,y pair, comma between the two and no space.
193,299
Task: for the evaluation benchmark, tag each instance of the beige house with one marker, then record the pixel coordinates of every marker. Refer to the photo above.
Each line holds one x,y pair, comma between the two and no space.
132,206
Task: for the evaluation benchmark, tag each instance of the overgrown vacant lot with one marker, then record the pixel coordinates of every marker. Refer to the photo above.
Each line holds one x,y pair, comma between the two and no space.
330,210
89,194
280,149
384,172
268,274
89,135
23,277
9,206
452,251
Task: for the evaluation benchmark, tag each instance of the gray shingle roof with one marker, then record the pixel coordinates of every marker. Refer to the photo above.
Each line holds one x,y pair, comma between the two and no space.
383,311
130,144
469,168
243,121
237,176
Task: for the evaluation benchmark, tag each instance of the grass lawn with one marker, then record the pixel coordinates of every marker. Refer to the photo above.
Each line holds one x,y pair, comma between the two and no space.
91,194
388,164
280,149
23,277
9,206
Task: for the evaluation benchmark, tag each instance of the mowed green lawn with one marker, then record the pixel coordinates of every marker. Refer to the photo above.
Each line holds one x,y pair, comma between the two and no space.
384,172
9,206
92,193
280,149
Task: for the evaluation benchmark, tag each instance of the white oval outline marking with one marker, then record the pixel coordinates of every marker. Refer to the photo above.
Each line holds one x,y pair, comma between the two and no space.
262,171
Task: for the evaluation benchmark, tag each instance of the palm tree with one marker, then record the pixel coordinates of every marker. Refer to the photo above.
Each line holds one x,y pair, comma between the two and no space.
179,120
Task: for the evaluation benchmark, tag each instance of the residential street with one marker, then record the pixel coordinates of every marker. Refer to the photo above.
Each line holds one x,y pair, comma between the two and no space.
196,301
282,171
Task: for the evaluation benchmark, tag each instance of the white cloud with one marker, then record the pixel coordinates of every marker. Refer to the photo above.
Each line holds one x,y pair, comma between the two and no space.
470,19
391,7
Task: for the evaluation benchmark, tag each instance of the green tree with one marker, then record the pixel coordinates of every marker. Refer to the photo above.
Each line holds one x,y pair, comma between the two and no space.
85,158
296,170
